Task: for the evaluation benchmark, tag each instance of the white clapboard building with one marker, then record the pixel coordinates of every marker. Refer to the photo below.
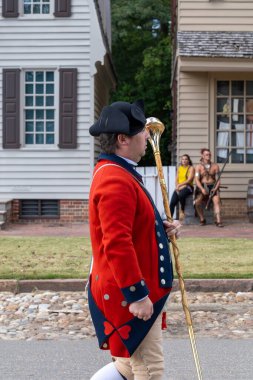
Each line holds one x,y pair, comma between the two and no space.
56,74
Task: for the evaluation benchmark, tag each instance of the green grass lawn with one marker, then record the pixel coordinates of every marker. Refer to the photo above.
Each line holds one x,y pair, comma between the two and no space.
50,257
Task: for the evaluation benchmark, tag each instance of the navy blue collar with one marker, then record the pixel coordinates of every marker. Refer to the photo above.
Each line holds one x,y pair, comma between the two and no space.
120,161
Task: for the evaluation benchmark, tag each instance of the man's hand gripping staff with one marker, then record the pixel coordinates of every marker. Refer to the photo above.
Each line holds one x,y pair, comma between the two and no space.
155,128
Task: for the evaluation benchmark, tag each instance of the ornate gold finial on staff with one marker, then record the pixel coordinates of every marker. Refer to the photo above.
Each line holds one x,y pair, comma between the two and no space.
155,128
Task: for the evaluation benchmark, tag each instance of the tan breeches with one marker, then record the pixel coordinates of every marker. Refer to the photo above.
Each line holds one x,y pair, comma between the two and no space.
147,362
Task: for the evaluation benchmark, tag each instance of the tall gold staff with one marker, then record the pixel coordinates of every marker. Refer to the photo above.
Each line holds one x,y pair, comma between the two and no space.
155,128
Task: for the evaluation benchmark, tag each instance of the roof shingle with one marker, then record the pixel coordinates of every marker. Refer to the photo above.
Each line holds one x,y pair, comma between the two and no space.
215,44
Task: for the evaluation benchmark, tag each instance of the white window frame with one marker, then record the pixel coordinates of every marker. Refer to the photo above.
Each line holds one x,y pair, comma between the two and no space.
43,147
212,116
38,15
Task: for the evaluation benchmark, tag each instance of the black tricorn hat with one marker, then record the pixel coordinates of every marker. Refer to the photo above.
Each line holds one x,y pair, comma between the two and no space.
120,117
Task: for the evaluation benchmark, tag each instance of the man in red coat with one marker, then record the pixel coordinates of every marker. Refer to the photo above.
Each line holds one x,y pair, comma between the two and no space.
131,274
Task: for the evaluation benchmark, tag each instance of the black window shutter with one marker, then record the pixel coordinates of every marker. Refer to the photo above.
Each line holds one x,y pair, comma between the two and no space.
10,8
11,108
62,8
68,109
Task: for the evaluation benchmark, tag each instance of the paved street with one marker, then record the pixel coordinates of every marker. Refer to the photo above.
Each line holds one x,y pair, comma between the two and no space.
221,359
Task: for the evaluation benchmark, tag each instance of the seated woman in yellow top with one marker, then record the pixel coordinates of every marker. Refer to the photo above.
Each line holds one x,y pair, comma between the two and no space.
184,184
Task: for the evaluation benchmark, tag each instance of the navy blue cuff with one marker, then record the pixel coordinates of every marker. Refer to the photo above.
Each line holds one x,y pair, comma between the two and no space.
135,292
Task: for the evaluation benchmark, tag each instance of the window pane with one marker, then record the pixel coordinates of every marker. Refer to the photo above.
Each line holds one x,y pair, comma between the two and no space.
223,106
27,9
49,139
249,156
29,126
237,105
238,87
222,155
49,126
39,88
49,88
39,114
45,8
39,138
36,9
29,89
222,88
29,76
249,88
39,101
49,100
237,157
29,101
39,76
39,126
237,120
29,138
249,139
50,76
249,109
29,114
238,140
50,114
222,139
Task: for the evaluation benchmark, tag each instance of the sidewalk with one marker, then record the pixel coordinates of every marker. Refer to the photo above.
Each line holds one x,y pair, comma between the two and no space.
237,228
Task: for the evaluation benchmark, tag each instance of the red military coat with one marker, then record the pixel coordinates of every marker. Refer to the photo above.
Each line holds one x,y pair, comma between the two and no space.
131,257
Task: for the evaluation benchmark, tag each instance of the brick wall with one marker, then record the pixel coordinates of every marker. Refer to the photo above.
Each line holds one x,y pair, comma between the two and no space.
71,211
15,211
236,208
76,211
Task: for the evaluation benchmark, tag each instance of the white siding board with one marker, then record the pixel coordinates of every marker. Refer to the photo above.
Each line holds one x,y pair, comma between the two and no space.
222,5
32,169
192,114
49,192
215,15
192,103
42,176
40,182
52,43
193,128
50,37
39,161
186,139
192,117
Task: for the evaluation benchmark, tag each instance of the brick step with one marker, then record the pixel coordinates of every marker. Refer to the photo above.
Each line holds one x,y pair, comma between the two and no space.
5,204
3,216
2,225
190,217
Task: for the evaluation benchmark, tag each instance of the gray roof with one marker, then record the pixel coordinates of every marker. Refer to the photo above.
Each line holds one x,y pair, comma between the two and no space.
215,44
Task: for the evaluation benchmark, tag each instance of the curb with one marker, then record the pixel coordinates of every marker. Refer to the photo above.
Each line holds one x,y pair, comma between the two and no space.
78,285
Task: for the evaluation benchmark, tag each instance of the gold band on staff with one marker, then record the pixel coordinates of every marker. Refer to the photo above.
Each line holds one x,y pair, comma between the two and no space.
155,128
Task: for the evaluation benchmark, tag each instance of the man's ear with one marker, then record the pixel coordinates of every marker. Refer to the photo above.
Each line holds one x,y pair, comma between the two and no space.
123,139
